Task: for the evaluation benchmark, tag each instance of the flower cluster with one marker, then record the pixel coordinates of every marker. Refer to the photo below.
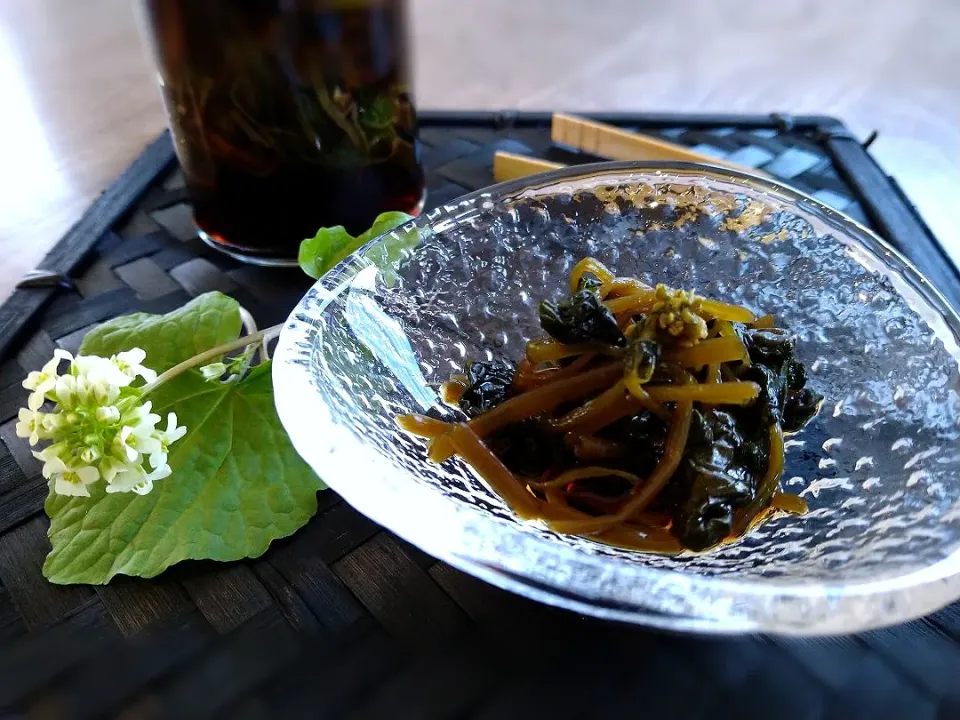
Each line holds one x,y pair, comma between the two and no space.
99,426
677,313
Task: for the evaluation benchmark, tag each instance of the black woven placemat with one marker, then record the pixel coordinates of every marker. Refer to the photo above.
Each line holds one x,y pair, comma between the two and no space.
344,619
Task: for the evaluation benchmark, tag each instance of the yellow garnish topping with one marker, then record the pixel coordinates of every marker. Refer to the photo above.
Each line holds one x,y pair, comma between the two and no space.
676,312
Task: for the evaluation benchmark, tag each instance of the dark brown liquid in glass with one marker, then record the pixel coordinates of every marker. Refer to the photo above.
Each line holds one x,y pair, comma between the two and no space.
288,115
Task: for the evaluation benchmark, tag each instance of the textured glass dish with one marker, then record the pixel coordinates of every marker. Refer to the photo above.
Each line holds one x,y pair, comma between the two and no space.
879,466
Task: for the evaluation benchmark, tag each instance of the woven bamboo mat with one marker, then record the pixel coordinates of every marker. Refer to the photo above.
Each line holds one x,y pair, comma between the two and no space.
346,620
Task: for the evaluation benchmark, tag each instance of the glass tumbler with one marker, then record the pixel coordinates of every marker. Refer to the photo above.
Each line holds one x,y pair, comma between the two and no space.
288,116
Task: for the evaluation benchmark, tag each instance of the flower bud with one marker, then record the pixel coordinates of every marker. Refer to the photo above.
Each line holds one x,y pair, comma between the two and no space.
108,414
213,371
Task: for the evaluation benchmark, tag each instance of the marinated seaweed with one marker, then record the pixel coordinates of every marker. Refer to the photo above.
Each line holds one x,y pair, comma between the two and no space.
649,417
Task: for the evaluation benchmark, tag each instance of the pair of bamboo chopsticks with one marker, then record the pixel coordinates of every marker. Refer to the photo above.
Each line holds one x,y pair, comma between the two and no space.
603,141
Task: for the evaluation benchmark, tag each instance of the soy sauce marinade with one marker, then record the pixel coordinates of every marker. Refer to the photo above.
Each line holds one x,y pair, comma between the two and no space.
288,116
649,418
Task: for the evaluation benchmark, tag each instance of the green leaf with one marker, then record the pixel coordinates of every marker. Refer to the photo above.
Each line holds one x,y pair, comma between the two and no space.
317,253
237,483
204,322
331,245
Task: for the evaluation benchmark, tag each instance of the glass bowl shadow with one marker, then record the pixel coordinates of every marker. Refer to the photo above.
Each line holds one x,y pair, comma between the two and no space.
879,466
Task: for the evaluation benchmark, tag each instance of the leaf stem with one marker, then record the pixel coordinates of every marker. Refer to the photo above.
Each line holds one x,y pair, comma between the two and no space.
210,354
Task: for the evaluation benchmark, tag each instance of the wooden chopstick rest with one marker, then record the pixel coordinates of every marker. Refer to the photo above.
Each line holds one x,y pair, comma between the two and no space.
616,144
508,166
604,141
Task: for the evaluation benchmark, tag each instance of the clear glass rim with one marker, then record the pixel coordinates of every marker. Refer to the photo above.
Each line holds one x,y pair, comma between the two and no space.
852,607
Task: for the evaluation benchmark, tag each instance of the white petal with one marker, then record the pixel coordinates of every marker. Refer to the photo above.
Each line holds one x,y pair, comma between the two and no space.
61,354
53,466
35,401
111,395
24,430
158,459
118,377
173,433
133,356
62,487
160,473
147,445
88,474
32,379
143,488
50,369
65,388
124,447
125,480
47,385
51,421
109,469
100,370
85,364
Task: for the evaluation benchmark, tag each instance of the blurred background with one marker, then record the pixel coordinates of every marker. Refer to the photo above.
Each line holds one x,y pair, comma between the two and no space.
80,101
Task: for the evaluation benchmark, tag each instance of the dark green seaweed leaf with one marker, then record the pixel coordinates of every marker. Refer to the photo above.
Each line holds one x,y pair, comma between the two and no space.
641,359
488,386
581,318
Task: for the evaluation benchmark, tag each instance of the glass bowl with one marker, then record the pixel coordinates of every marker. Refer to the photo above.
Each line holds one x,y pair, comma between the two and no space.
879,466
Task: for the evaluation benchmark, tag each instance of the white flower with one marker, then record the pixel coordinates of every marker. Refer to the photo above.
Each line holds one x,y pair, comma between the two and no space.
126,480
166,437
110,467
100,371
137,481
213,371
172,433
44,380
130,364
159,473
74,481
137,441
141,415
138,436
67,480
29,425
36,426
